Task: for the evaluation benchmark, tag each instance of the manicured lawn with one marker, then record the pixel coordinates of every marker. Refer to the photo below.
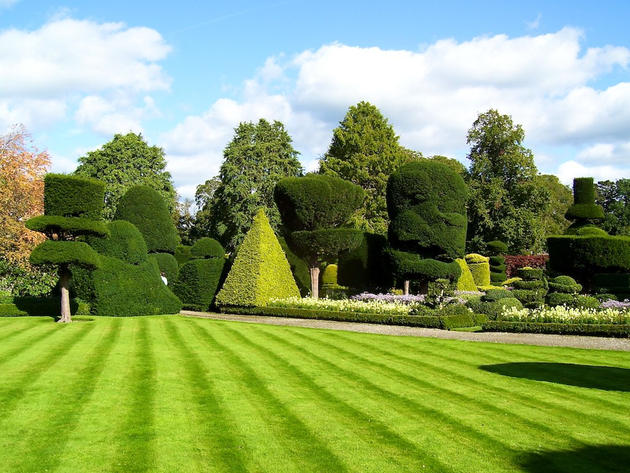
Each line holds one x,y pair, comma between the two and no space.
173,394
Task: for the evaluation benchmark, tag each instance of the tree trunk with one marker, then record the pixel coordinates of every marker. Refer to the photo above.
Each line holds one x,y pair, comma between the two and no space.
64,284
314,282
406,287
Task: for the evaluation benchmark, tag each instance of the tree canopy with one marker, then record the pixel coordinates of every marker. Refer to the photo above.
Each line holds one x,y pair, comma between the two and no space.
614,197
126,161
505,202
259,155
365,151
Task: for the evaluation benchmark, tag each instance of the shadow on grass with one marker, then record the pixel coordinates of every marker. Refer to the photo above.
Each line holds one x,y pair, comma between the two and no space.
608,378
590,459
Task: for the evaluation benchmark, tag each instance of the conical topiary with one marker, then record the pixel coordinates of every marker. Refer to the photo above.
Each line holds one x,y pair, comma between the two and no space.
260,271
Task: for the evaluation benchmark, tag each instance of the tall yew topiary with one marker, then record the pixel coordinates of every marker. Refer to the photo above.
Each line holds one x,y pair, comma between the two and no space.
260,271
426,201
315,208
72,207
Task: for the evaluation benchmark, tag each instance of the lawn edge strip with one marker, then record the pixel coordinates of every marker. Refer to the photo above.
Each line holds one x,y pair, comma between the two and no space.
219,432
84,384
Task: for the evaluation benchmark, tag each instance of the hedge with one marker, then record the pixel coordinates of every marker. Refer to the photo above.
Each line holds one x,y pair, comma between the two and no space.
465,282
584,207
207,248
299,268
124,242
260,271
366,268
73,196
493,308
617,283
146,209
572,300
447,322
564,284
413,266
74,225
182,254
329,275
581,256
479,268
120,289
198,283
65,252
513,262
602,330
168,265
40,307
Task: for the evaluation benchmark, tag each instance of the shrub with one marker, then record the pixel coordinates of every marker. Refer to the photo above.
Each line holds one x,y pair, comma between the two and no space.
480,268
329,275
40,307
465,282
120,289
147,210
72,225
260,271
497,248
509,282
513,262
560,298
584,209
564,284
198,283
496,294
591,230
412,266
599,330
299,268
65,252
124,242
493,309
73,196
366,267
182,254
207,248
167,264
530,274
27,280
616,283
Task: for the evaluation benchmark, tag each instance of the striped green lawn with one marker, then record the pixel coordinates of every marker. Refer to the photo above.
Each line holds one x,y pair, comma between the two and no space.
174,394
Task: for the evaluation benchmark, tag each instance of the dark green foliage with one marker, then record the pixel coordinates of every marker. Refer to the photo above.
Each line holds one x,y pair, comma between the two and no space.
437,319
564,284
586,230
325,244
168,265
198,283
616,283
126,161
183,254
365,150
602,297
583,191
493,309
530,274
535,284
497,248
259,155
531,298
314,201
558,328
584,210
438,291
124,242
146,209
55,224
207,248
413,266
614,197
581,256
120,289
532,289
73,196
426,201
560,298
65,252
495,294
40,307
367,267
299,268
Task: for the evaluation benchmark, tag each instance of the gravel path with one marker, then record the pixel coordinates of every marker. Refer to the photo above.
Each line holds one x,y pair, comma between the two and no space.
596,343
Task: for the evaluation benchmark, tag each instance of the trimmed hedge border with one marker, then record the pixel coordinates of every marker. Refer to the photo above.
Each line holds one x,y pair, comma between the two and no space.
40,307
447,322
600,330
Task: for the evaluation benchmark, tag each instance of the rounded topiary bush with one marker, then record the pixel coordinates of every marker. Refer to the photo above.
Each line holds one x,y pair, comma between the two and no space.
207,248
182,254
495,295
532,288
198,283
493,309
146,209
329,275
564,284
168,265
124,242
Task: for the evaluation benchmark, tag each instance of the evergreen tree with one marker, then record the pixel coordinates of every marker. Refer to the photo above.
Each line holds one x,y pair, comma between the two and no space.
126,161
505,201
365,151
258,156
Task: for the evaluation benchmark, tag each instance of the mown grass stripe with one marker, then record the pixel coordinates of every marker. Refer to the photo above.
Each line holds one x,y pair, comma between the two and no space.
25,344
31,373
485,382
305,443
403,403
209,414
135,436
64,416
386,438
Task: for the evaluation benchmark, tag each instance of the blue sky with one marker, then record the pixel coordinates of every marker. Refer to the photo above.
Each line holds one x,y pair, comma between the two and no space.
185,73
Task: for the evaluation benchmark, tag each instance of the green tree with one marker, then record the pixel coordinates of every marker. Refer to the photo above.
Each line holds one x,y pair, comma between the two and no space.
505,201
365,151
614,197
258,156
560,199
126,161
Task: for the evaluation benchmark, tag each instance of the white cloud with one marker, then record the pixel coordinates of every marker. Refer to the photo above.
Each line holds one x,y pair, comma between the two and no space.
68,62
571,169
431,96
609,153
535,23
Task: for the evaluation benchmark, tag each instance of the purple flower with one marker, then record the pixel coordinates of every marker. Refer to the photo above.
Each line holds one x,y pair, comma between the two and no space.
612,304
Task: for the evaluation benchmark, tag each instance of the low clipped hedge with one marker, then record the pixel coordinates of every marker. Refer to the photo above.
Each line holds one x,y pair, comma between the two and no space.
447,322
600,330
40,307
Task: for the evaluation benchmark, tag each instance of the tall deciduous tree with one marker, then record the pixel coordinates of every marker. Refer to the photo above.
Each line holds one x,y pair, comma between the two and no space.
365,150
614,197
126,161
259,155
560,199
505,201
22,169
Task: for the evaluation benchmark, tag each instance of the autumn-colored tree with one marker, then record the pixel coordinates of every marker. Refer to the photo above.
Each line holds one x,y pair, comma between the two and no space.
22,167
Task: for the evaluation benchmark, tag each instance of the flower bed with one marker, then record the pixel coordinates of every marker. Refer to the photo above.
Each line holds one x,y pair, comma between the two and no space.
344,305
